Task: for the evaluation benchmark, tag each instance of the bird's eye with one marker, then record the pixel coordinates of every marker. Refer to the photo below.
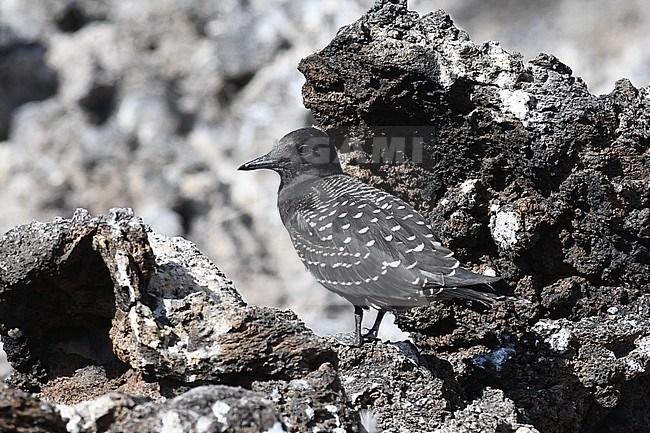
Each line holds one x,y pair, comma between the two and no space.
304,150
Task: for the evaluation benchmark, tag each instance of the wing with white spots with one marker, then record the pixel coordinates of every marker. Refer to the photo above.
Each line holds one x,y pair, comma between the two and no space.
369,246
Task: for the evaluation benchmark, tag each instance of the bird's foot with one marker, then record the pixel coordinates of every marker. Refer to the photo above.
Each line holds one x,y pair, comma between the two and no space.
370,335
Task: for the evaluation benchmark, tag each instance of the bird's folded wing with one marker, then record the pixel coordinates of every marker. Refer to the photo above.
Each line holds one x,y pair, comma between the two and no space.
352,243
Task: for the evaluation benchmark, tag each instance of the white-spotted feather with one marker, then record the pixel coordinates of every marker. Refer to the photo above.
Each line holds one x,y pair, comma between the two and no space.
380,250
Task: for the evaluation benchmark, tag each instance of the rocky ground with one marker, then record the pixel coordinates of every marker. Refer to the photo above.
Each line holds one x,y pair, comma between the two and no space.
111,325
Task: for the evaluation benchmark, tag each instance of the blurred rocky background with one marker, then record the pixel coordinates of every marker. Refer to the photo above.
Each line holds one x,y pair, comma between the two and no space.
153,105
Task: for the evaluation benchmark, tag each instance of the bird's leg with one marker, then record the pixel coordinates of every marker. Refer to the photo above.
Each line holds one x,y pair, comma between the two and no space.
358,318
372,333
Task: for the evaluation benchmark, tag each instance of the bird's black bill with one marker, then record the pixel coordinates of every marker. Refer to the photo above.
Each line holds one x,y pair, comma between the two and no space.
264,161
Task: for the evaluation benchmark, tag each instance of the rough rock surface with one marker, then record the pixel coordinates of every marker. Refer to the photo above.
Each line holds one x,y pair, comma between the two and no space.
523,172
203,409
117,328
402,389
93,305
22,412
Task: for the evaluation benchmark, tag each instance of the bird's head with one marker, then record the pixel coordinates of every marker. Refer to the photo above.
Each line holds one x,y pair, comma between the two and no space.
303,152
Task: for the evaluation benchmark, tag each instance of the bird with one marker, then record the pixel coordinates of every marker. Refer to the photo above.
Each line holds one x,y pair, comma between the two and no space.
362,243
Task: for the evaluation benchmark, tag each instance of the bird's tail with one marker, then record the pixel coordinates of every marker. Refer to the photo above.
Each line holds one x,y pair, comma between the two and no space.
468,285
481,293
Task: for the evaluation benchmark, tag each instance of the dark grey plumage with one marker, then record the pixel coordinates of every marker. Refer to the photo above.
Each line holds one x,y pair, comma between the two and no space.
359,242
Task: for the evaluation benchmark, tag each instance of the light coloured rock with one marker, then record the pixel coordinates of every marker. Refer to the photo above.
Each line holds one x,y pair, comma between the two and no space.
5,368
